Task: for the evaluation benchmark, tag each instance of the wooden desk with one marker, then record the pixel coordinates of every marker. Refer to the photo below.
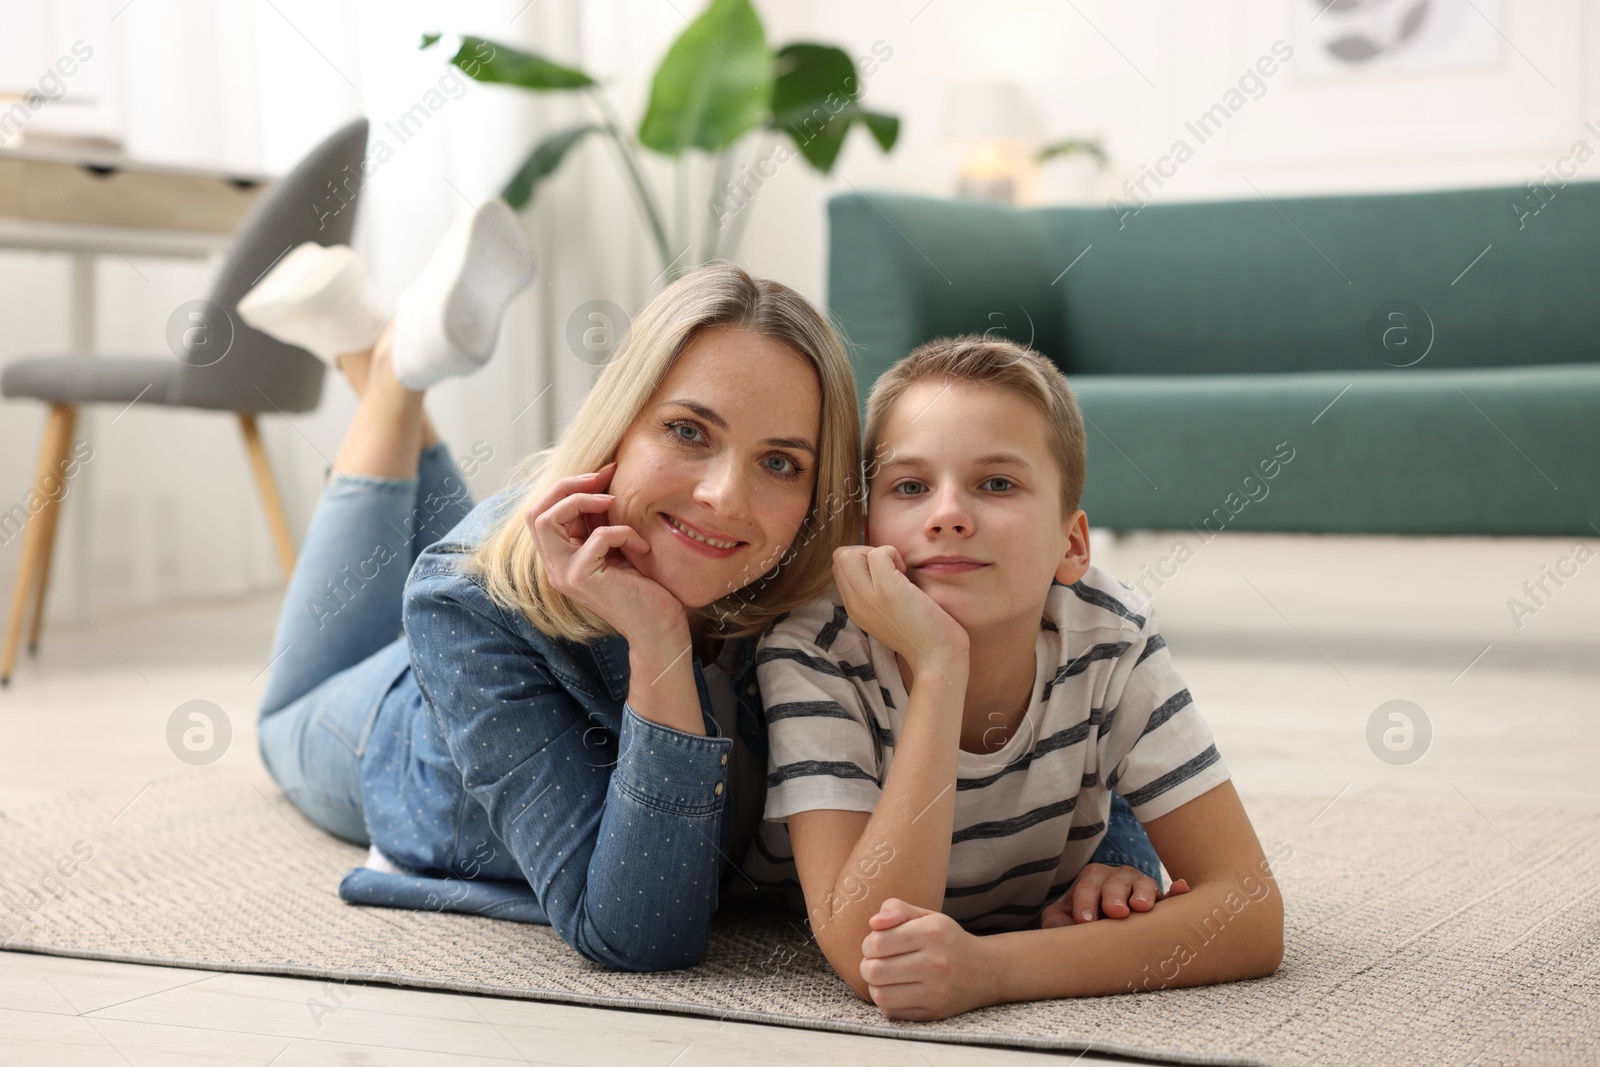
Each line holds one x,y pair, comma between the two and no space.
89,204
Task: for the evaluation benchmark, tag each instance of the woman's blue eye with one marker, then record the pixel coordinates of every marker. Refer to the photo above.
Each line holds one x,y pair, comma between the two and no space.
907,485
678,427
792,471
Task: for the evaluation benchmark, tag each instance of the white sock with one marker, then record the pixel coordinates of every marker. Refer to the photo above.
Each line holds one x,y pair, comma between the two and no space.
448,320
318,298
377,861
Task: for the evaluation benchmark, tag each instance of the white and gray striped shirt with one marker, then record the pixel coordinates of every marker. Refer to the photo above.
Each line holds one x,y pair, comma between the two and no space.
1108,711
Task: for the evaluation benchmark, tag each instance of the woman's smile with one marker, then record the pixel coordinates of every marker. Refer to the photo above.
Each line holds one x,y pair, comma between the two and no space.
699,540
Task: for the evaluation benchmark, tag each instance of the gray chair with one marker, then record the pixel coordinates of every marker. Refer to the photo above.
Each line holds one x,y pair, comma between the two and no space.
256,374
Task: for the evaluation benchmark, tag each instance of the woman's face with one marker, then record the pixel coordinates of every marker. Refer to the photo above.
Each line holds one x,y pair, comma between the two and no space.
725,452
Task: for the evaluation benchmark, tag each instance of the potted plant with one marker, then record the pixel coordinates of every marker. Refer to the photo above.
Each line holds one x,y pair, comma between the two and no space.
717,83
1082,158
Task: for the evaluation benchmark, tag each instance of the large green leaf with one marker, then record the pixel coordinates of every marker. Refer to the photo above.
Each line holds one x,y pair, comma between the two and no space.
808,73
814,101
714,85
818,135
488,61
885,128
541,162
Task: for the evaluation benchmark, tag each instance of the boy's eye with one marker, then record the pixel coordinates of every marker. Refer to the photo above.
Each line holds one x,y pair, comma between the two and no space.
1004,484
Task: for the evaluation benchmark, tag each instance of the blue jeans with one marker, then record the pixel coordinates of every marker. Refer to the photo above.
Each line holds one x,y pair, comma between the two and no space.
339,646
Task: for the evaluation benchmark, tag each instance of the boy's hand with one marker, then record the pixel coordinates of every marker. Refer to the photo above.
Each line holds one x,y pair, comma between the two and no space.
881,600
920,964
1116,892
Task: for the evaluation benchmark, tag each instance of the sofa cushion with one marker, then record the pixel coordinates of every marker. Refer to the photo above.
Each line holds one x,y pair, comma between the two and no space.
1223,287
1251,286
1491,451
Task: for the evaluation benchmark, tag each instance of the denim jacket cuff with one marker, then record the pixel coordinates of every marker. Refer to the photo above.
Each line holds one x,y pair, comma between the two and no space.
669,769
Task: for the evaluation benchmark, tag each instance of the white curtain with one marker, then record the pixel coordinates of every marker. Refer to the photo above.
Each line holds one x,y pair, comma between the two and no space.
167,507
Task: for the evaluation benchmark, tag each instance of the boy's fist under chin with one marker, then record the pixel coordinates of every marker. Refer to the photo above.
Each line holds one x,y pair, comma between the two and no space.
1111,892
880,597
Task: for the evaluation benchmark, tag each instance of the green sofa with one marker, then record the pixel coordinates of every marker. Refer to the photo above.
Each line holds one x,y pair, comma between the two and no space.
1420,363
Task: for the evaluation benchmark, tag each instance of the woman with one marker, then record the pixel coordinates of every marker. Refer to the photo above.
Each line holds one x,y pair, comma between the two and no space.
568,729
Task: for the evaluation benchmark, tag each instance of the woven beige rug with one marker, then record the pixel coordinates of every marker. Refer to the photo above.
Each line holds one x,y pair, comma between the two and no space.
1416,932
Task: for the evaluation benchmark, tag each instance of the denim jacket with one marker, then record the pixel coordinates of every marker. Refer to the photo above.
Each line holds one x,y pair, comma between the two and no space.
506,772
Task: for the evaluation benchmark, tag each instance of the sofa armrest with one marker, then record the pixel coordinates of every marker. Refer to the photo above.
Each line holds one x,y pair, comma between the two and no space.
904,269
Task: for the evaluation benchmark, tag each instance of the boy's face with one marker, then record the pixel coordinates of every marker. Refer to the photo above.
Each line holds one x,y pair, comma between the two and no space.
970,476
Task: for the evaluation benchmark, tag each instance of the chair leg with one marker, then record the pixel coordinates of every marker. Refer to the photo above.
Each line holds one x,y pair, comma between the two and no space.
269,491
32,568
50,517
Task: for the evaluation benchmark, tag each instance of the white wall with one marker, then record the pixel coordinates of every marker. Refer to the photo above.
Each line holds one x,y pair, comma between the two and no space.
167,508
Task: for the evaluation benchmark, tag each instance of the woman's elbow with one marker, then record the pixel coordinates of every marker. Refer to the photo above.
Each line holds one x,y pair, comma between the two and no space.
678,952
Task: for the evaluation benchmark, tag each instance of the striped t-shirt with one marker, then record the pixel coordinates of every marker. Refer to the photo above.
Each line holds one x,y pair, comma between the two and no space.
1108,711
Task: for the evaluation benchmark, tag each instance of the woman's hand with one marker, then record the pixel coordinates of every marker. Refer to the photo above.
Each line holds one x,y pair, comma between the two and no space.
920,964
1116,892
881,600
595,564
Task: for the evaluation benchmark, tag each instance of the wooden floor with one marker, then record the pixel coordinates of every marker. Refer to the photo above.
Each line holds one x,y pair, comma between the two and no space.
1288,643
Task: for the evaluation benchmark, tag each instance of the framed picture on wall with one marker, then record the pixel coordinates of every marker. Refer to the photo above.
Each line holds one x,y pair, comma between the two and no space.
1348,36
1450,100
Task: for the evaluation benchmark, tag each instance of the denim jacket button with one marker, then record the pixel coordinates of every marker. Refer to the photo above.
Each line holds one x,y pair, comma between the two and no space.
718,789
751,689
724,759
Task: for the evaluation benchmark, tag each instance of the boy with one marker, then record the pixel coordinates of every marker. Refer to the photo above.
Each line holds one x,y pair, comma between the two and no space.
944,735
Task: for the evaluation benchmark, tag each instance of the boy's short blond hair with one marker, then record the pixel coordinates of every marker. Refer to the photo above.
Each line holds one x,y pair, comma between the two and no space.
999,364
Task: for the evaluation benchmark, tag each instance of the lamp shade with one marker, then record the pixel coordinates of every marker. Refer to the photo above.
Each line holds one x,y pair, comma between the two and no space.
987,110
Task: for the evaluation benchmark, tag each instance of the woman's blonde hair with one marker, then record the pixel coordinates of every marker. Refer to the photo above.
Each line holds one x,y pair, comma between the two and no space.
507,561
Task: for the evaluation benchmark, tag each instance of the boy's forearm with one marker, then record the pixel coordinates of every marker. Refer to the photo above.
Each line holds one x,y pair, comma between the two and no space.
1214,933
913,818
918,803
